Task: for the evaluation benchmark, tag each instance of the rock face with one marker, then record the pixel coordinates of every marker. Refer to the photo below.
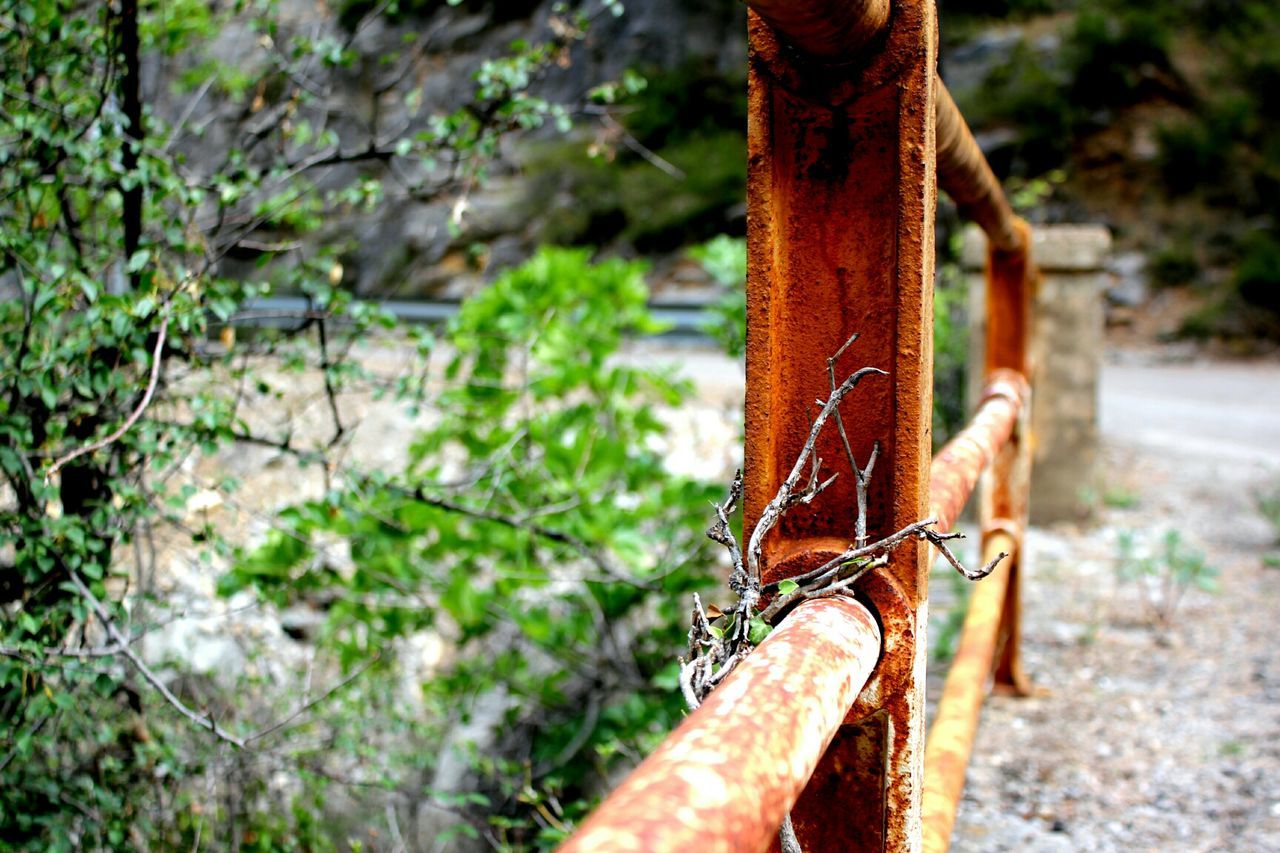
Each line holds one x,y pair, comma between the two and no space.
406,70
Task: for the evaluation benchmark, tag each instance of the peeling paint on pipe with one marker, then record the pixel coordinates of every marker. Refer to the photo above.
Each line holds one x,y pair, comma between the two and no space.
957,467
727,776
965,175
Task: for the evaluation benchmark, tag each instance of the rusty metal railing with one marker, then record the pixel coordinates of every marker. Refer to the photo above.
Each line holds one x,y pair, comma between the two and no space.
850,131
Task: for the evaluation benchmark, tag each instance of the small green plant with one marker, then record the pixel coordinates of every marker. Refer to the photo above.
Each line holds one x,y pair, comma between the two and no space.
945,637
1118,497
725,259
1269,506
1164,570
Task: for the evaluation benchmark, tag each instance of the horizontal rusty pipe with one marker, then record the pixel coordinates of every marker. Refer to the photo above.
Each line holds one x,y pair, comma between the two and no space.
950,742
827,29
955,470
724,780
965,175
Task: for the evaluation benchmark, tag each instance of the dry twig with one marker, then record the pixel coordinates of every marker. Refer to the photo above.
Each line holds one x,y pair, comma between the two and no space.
120,644
156,362
713,651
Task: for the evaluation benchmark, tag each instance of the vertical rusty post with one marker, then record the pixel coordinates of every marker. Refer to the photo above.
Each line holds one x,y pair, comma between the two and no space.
841,199
1011,277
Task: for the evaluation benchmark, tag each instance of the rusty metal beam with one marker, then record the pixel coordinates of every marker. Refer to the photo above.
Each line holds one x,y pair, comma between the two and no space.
828,29
998,441
841,197
833,31
950,743
955,470
965,175
724,780
1011,283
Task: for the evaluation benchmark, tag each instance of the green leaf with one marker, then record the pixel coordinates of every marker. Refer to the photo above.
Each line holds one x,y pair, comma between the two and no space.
139,260
757,630
787,587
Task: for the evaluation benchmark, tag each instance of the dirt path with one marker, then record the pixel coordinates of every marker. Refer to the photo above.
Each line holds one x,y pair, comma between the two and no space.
1149,739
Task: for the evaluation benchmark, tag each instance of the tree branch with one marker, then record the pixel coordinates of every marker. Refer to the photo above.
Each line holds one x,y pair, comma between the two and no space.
156,362
204,721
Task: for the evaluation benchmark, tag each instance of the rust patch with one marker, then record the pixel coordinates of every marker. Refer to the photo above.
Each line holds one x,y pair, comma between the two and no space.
957,467
950,743
727,776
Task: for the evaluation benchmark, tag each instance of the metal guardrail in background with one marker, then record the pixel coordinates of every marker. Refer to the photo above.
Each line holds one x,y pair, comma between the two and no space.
847,123
681,320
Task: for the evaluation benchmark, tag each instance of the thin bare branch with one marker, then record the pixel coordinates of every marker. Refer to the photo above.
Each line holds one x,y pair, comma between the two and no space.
156,362
285,721
204,721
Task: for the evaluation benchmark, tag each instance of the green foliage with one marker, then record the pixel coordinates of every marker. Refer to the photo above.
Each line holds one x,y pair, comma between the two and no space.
1213,71
1164,571
1113,49
629,201
1113,56
1028,93
1175,264
553,438
1257,278
725,260
1269,505
1224,149
689,102
1250,306
950,347
110,240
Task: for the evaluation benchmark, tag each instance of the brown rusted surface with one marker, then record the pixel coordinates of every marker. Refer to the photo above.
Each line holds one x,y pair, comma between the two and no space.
950,741
965,175
725,778
1011,281
831,29
1011,278
955,470
841,200
998,441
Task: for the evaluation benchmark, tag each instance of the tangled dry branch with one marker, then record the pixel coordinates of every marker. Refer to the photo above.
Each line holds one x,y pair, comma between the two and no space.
716,649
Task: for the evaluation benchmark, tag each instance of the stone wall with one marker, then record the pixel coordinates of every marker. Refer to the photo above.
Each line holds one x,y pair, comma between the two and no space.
1067,355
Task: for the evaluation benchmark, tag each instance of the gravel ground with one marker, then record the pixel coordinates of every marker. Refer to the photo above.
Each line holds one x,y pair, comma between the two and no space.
1149,737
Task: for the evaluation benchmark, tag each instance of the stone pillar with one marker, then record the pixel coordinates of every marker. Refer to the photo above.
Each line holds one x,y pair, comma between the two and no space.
1067,344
